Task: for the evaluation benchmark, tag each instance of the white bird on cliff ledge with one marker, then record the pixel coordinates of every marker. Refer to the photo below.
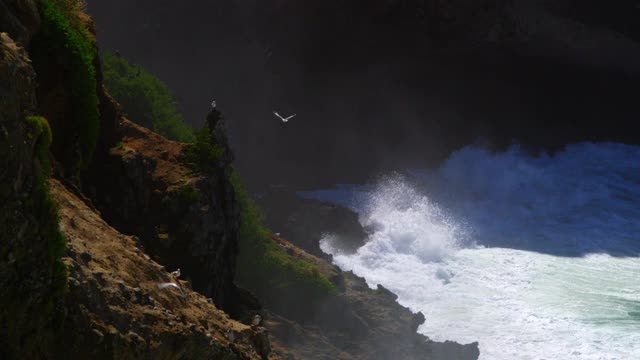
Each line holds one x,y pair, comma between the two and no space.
256,320
283,119
176,273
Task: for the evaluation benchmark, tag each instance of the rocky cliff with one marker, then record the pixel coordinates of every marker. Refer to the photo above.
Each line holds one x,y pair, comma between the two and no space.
115,309
96,211
30,242
100,296
183,219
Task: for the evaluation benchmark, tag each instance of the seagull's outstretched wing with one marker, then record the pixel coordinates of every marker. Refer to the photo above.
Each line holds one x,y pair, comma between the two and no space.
283,119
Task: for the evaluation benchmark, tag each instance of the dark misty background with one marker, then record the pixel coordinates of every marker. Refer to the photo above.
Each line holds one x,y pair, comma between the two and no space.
386,84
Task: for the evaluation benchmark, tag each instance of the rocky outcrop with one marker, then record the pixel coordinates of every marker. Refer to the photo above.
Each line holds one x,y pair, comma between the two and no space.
355,322
306,221
184,220
115,308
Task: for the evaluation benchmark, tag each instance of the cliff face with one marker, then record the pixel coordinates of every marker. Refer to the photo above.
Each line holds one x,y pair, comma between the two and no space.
184,220
99,297
31,274
115,309
26,266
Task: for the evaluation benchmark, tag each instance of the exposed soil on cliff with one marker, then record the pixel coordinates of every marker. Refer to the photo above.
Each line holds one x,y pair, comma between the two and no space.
165,154
116,310
183,219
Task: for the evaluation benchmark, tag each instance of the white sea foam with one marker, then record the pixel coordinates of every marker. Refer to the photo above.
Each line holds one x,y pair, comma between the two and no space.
534,257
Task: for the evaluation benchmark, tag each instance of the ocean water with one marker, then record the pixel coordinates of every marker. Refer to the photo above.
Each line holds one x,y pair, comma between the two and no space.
533,257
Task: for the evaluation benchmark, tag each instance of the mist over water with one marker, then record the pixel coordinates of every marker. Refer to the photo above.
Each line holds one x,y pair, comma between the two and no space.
534,257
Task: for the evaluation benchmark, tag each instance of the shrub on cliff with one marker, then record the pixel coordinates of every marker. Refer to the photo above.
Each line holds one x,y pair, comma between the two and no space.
63,53
203,154
145,99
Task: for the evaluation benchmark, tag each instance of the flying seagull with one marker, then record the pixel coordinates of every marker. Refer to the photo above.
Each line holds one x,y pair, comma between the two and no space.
284,120
166,285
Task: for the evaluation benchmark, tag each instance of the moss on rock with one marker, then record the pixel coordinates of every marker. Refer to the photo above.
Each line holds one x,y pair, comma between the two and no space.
41,203
63,56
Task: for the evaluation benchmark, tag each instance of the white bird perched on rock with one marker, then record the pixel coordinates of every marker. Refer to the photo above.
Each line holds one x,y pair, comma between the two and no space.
174,285
284,120
176,273
256,320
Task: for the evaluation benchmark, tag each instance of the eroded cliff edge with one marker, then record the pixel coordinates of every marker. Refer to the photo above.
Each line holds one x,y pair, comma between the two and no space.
82,255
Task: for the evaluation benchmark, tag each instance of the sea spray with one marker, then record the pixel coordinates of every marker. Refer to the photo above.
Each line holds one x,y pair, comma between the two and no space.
534,257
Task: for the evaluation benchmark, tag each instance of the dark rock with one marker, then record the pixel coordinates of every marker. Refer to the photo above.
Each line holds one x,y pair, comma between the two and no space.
305,222
85,256
26,264
261,342
360,323
20,19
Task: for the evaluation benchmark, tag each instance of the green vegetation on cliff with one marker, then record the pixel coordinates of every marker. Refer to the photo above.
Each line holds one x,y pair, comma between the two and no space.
29,221
265,267
203,155
145,99
63,53
42,204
